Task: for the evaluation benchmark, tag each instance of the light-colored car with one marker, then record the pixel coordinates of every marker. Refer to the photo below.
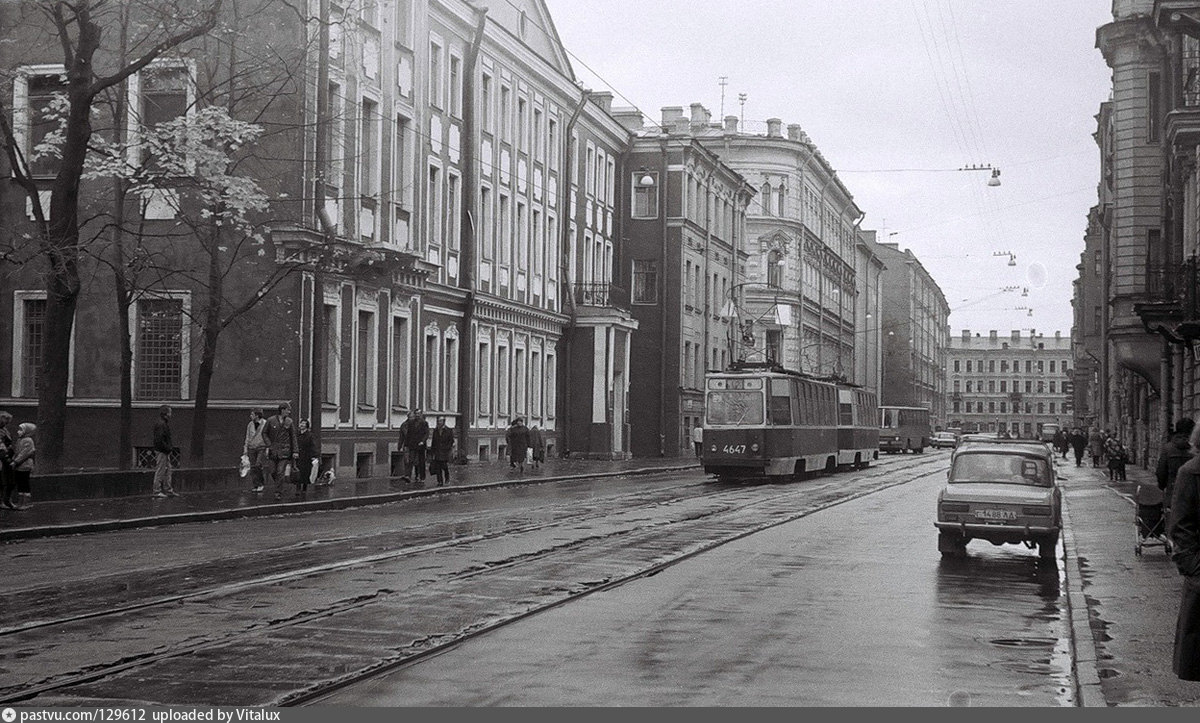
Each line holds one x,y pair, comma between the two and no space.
1000,492
944,439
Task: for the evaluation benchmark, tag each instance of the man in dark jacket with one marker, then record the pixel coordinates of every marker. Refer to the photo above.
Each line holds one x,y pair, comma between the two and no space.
517,439
1184,531
1175,451
1079,443
162,451
442,447
283,451
413,435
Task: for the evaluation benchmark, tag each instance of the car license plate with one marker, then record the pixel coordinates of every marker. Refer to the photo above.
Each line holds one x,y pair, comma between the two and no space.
997,515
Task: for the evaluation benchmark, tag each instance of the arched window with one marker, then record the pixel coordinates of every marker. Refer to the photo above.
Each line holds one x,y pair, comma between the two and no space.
782,197
764,198
775,269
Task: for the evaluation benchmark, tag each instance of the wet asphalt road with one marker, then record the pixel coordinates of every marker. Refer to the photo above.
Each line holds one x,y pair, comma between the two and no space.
849,606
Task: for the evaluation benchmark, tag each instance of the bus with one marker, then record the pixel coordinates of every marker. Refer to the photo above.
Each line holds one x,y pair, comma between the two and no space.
903,429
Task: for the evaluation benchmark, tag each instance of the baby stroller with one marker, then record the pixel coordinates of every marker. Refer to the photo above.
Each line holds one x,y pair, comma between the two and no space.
1150,523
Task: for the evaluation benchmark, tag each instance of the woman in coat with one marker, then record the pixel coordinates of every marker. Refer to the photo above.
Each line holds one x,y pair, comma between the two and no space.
517,439
538,442
308,451
1095,446
1184,532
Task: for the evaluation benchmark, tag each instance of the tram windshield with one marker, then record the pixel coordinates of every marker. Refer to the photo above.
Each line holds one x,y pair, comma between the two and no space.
735,407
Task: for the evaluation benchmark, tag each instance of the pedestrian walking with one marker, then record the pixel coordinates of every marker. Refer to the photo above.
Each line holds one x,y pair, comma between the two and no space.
255,449
1079,443
1095,446
23,462
442,446
698,439
517,439
307,449
1184,532
537,443
414,433
162,451
1175,452
8,481
1061,443
1117,456
279,434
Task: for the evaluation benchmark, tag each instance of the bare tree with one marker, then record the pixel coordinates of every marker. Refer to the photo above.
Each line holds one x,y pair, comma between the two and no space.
78,26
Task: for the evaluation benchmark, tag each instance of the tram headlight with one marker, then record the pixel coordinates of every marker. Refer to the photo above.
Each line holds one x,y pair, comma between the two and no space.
754,447
713,448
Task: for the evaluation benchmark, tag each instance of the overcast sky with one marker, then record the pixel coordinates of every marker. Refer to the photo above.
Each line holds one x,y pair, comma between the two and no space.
897,94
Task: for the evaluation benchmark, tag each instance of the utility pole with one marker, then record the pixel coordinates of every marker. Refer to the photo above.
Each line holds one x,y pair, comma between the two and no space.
723,81
742,102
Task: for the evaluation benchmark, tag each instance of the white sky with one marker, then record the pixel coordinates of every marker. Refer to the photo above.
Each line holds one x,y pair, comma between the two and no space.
886,85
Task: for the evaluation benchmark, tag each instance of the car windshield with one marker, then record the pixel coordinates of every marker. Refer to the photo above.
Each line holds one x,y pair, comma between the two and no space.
1001,467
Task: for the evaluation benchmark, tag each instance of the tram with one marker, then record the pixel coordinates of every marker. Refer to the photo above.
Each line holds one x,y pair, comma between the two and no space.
764,422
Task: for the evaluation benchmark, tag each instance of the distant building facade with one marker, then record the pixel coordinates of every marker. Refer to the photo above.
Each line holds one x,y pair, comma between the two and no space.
914,339
1013,384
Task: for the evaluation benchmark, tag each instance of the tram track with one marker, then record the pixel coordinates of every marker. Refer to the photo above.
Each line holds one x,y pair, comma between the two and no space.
596,537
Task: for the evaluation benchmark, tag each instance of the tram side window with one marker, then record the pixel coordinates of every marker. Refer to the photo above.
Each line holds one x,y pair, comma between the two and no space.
780,403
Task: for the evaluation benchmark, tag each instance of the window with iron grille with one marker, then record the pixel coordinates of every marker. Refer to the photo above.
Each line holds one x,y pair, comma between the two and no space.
159,348
32,345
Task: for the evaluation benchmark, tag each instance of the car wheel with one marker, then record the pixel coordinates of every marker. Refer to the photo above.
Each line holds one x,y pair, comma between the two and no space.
1046,547
951,543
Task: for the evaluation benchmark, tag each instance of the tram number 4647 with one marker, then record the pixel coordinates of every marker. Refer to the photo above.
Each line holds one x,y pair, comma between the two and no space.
734,449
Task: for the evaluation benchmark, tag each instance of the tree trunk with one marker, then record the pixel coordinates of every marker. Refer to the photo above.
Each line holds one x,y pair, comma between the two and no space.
210,327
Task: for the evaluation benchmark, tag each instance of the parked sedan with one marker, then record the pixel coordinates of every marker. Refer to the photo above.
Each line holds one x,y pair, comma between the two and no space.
944,439
1000,492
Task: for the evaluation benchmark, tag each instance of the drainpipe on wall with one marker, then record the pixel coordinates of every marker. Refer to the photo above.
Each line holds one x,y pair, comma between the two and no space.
662,344
564,218
466,280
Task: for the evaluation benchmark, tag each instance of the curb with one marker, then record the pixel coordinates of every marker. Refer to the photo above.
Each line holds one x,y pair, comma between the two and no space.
275,508
1088,691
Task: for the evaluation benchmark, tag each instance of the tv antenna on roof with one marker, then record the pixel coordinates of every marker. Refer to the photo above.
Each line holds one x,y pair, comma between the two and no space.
723,81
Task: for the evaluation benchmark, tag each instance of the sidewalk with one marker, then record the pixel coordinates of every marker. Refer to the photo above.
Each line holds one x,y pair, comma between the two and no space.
1123,606
68,517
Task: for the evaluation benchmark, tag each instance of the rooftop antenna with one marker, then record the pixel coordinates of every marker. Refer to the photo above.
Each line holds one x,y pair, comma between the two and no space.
742,102
723,81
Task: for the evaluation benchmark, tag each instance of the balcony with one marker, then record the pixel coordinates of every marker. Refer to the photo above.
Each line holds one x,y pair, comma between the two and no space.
1171,305
609,296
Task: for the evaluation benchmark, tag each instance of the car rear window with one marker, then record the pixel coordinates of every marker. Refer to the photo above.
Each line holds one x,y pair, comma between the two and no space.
1000,467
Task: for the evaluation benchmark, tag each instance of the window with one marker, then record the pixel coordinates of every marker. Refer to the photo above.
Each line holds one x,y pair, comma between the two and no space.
33,337
455,87
505,231
645,195
1052,385
645,281
366,359
486,231
368,150
505,109
162,97
502,380
522,238
764,199
452,211
332,354
485,103
435,210
521,398
956,366
435,75
159,348
537,134
33,116
1154,106
775,269
1052,365
552,143
432,388
782,194
400,362
484,378
450,373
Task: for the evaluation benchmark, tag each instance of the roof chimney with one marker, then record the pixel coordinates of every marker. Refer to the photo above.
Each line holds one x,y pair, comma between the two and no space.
731,123
992,335
631,118
966,334
603,98
700,115
774,128
795,132
670,114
